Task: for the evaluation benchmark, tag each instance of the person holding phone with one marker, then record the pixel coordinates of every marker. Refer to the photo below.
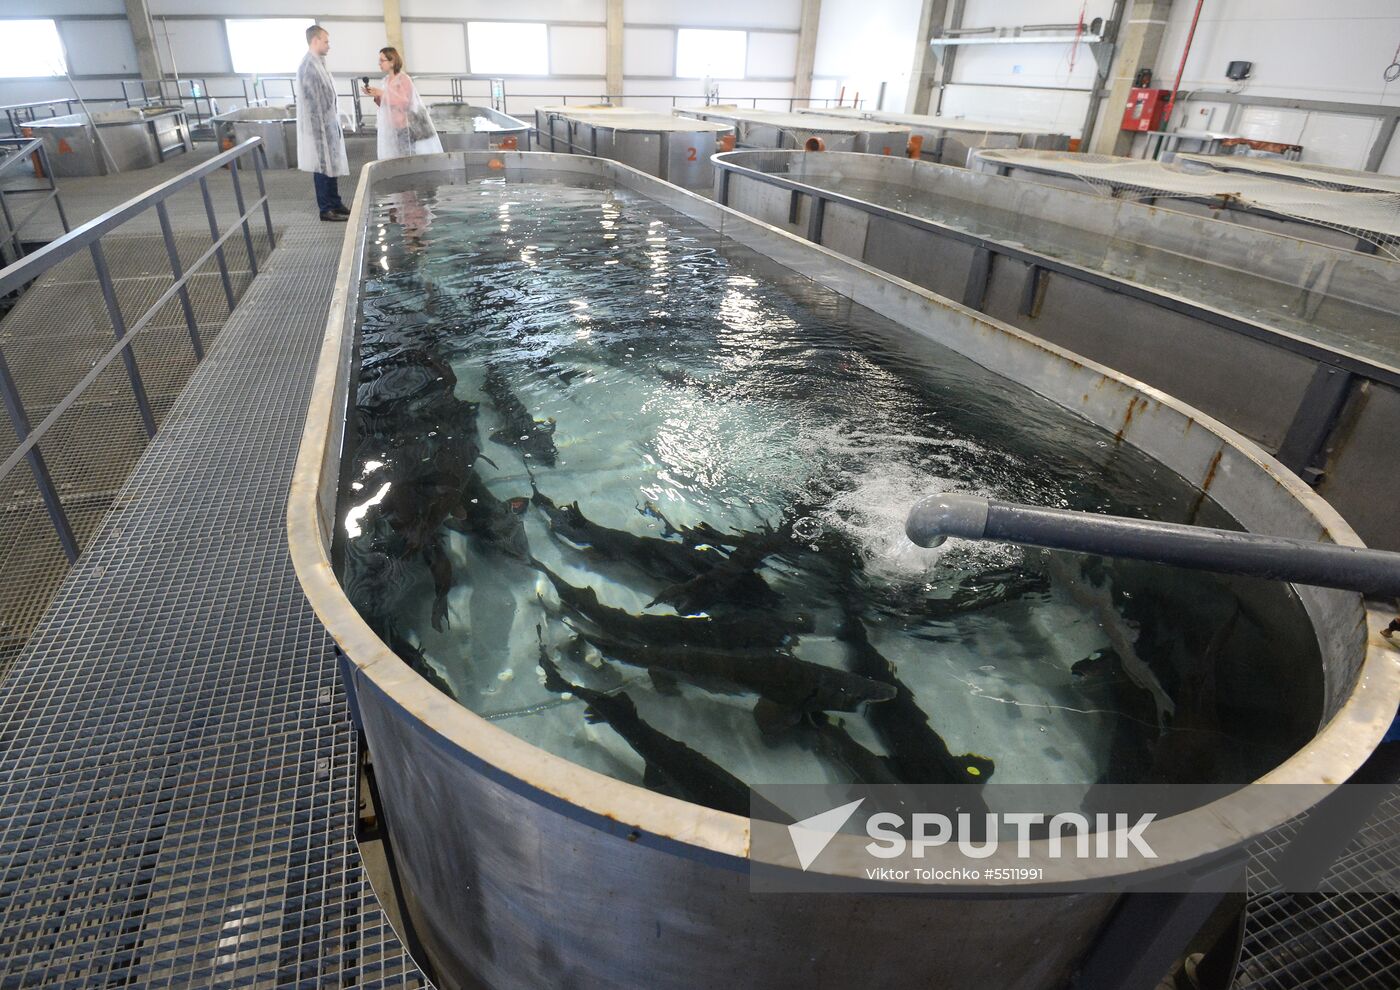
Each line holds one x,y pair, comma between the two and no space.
403,124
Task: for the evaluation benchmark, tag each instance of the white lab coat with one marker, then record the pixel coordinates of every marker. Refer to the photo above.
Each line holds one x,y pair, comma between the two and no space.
320,141
399,106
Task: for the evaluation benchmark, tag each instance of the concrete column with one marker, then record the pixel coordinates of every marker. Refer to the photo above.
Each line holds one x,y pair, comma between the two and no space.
614,61
143,33
1139,47
393,27
806,51
928,61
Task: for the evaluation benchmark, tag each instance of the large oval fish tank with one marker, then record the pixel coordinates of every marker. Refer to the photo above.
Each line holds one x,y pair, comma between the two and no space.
602,495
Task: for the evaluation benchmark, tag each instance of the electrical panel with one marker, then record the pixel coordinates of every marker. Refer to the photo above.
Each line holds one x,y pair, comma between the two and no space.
1239,71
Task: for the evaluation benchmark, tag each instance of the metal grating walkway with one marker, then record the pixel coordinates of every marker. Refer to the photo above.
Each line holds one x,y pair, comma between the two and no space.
177,769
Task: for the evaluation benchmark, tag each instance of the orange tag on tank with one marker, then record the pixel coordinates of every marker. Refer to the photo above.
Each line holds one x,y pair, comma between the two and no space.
63,147
496,163
509,144
726,142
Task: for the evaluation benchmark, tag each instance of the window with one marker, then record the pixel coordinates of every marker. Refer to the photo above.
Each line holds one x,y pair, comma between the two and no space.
32,48
268,46
718,54
506,49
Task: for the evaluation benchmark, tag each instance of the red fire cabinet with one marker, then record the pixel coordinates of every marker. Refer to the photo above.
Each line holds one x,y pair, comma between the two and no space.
1147,109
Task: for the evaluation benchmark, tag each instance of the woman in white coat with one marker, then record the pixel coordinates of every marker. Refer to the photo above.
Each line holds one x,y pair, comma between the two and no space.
404,125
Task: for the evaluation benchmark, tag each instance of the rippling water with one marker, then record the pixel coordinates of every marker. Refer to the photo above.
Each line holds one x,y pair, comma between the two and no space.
741,446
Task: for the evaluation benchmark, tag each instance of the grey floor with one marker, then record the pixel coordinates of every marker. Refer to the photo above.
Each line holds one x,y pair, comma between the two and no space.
177,772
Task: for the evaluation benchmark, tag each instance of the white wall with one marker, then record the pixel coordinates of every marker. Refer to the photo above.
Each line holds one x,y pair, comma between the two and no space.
649,50
862,44
1042,84
1335,51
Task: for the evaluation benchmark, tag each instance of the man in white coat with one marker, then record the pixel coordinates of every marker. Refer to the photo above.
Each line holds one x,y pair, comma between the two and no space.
320,141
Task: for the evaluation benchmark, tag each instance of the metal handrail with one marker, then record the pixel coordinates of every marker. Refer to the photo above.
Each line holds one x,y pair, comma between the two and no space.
15,113
89,237
1328,565
198,93
25,150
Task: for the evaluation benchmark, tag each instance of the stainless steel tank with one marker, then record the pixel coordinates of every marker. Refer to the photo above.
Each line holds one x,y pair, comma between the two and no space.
137,137
950,140
1364,221
1186,303
671,148
276,125
463,127
522,870
810,131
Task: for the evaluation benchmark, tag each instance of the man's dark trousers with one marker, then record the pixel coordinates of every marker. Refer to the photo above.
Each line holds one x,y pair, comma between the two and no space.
327,192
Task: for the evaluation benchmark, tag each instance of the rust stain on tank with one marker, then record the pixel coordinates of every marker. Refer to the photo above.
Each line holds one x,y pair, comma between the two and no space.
1205,485
1210,471
1128,417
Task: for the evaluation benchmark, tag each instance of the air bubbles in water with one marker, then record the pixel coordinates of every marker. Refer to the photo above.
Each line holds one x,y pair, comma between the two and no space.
807,528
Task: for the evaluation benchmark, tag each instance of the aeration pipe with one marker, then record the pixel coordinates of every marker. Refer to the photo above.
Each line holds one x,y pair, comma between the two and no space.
1372,572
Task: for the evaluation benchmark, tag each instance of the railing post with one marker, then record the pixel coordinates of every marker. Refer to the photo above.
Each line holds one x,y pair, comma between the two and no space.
175,269
816,214
243,219
219,250
42,479
10,226
133,372
53,184
262,192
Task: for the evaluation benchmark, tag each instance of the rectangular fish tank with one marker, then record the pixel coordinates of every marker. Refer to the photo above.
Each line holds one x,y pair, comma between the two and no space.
602,497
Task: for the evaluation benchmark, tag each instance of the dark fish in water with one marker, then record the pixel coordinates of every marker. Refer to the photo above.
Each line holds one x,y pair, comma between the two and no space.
731,581
671,765
918,753
534,438
660,558
730,633
416,506
985,590
723,584
702,535
496,522
412,656
836,744
1188,750
403,380
1105,684
788,687
446,439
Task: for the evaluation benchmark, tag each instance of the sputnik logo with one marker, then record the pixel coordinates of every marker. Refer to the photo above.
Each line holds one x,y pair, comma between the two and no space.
811,835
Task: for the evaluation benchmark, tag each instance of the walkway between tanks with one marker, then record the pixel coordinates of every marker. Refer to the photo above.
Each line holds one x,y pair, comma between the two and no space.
177,771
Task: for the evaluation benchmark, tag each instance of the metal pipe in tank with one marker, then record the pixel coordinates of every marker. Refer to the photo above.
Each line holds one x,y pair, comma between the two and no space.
971,517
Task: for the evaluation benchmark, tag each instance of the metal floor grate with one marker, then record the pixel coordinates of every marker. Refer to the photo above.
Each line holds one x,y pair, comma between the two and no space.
177,769
51,337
